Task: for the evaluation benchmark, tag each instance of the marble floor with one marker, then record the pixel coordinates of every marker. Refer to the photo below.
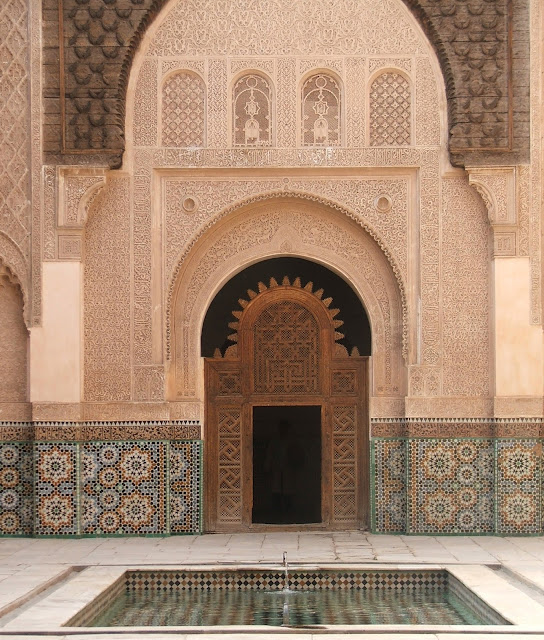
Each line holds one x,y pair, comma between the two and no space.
30,569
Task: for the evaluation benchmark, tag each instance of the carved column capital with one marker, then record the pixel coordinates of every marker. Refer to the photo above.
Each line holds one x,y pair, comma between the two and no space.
77,188
497,188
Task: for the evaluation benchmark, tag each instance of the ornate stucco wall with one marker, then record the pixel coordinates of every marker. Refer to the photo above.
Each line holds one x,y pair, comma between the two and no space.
416,186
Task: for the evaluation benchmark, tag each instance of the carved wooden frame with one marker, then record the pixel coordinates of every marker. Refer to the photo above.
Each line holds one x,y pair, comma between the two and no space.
345,471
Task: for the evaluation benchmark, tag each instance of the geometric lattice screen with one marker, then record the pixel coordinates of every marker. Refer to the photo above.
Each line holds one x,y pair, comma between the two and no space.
390,116
183,110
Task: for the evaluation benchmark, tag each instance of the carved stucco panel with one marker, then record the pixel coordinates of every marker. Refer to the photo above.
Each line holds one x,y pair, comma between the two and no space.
427,105
149,383
497,187
76,189
14,116
146,105
306,65
13,258
302,229
390,63
13,340
107,300
424,381
243,64
49,212
142,258
179,64
523,184
535,230
213,196
429,260
355,93
217,103
287,102
214,27
465,291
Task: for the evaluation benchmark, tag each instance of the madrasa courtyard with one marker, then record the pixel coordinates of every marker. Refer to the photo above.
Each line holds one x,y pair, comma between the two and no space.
271,281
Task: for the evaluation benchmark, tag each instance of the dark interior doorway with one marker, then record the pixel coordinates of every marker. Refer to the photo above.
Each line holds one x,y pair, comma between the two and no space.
356,327
286,465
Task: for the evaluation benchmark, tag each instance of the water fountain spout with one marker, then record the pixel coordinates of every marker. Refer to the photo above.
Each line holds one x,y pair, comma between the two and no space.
286,614
286,571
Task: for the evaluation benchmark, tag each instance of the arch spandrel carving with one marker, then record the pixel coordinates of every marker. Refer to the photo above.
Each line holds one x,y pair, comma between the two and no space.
13,339
12,257
273,228
281,196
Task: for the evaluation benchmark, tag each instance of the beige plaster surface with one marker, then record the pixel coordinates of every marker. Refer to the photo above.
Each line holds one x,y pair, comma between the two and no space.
28,566
518,345
55,347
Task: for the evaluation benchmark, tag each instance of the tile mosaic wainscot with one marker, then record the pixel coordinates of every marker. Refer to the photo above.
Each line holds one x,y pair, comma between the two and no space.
388,471
518,486
123,487
451,486
457,486
16,488
144,487
56,488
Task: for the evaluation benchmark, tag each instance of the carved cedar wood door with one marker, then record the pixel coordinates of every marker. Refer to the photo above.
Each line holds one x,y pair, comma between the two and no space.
286,354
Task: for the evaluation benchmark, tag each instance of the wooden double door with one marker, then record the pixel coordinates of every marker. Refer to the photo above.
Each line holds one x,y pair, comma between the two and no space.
286,423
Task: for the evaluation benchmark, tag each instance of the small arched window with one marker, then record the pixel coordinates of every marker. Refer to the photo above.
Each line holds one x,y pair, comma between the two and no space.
183,110
252,111
321,111
390,110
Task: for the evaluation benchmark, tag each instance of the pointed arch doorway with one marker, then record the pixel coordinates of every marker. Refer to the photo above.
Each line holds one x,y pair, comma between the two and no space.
286,436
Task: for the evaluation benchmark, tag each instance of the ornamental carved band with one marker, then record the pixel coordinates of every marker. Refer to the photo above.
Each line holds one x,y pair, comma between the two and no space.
486,85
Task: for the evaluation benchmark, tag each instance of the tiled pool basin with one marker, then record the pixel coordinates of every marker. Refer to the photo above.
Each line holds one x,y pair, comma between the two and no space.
312,599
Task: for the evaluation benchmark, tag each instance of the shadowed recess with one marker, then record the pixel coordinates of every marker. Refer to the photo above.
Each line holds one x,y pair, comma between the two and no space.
356,327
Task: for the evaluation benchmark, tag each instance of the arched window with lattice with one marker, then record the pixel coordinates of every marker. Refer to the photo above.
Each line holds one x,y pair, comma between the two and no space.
321,117
390,110
184,110
252,111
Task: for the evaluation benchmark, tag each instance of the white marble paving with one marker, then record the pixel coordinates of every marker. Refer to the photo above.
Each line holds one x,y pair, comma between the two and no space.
29,567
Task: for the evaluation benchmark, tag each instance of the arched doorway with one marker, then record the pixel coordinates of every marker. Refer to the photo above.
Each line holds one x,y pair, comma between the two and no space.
286,420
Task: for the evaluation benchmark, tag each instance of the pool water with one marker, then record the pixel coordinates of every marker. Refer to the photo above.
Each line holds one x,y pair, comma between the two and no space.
216,607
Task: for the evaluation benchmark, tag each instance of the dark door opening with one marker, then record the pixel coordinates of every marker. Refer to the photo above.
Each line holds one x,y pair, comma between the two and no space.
286,465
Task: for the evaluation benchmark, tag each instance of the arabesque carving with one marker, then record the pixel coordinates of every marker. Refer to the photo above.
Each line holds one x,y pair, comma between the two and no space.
465,287
13,340
15,158
215,196
77,189
260,229
107,352
497,186
101,46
